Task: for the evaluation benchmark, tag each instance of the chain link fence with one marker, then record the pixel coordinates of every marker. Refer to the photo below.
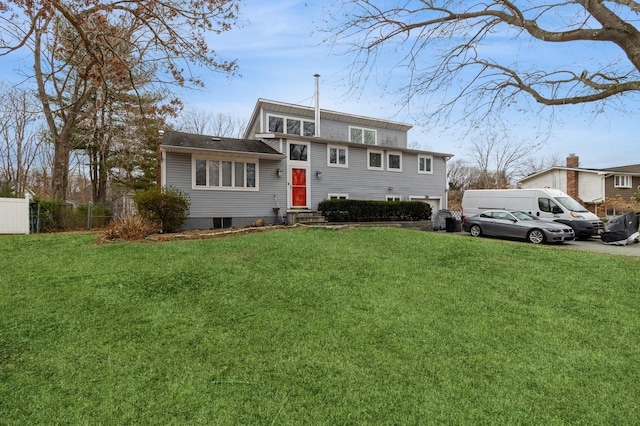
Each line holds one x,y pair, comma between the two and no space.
52,216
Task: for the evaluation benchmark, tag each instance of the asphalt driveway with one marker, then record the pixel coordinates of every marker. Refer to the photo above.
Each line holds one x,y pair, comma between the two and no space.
593,244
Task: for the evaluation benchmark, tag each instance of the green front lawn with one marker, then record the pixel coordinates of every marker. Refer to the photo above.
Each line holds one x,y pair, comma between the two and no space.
311,326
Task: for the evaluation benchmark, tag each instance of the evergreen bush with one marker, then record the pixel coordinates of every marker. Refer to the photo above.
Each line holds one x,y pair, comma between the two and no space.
168,207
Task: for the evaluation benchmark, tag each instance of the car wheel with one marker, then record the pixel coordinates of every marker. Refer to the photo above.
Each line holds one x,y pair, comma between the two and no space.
475,231
535,236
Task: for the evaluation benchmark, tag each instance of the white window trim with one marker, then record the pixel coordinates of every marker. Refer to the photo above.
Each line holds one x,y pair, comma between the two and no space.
299,163
375,133
399,154
393,197
234,160
424,172
346,156
626,178
337,196
375,151
284,123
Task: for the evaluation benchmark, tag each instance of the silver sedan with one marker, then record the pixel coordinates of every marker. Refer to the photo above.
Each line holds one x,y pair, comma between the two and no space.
516,224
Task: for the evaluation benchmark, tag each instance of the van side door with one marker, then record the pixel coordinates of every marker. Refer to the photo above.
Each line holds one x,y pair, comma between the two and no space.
548,209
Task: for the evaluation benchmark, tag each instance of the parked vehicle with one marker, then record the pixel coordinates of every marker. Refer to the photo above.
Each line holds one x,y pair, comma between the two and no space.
517,224
621,230
544,203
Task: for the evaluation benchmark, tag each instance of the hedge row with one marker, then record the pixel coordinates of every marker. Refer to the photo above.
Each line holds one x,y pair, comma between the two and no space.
374,211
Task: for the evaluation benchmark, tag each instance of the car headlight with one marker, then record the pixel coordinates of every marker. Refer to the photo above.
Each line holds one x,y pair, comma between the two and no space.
577,215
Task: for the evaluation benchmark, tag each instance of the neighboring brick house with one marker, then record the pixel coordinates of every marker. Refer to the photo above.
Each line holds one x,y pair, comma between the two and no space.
589,186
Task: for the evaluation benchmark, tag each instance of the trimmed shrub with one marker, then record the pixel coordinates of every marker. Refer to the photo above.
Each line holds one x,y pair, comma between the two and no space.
374,211
167,207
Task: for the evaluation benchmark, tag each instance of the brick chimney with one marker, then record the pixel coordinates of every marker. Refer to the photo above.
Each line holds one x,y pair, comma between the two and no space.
573,162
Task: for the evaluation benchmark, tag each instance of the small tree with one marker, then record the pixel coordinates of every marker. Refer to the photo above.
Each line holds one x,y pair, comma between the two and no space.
168,207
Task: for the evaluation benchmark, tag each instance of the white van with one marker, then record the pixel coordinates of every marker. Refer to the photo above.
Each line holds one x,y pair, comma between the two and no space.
545,203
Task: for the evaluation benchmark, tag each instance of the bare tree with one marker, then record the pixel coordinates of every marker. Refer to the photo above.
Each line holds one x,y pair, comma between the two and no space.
499,158
198,121
461,175
21,137
74,53
445,49
534,165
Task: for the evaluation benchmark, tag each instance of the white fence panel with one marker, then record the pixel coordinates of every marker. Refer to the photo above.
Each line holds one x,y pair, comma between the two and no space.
14,215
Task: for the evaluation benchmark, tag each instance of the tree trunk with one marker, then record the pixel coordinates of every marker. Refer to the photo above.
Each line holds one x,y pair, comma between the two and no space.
60,172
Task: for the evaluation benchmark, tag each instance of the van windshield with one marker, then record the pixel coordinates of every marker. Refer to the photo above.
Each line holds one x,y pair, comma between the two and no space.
571,204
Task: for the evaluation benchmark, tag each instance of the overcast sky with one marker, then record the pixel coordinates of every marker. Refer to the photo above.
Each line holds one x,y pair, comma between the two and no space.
279,49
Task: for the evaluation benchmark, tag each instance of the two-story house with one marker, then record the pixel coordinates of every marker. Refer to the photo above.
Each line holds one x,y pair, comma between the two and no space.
291,158
589,186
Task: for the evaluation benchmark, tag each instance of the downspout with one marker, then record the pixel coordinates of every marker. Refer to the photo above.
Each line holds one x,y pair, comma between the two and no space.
317,118
160,166
446,183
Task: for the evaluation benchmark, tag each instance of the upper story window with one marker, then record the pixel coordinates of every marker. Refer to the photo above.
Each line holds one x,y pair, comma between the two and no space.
337,156
225,174
291,126
361,135
425,164
394,161
622,181
298,152
374,159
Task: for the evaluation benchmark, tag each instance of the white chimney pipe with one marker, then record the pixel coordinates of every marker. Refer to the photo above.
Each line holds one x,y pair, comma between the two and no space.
317,124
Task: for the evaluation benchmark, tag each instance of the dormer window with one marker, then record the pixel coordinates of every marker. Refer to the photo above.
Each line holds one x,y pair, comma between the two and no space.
361,135
290,125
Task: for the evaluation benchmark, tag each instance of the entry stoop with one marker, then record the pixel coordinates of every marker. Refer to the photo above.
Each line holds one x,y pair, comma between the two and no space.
307,218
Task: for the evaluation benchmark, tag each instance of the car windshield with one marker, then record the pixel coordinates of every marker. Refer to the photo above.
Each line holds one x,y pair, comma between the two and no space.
523,216
571,204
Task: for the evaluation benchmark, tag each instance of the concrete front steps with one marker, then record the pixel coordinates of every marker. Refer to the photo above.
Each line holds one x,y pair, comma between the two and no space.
309,218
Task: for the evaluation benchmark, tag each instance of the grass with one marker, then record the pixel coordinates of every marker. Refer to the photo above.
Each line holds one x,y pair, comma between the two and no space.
362,326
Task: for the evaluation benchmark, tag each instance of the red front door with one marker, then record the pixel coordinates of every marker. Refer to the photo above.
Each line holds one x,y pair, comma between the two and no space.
298,187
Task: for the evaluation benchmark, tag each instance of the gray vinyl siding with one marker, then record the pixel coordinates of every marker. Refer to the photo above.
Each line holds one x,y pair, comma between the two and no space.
339,131
360,183
244,207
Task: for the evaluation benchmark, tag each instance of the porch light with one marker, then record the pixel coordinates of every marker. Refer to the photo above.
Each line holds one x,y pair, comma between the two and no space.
318,174
279,172
390,188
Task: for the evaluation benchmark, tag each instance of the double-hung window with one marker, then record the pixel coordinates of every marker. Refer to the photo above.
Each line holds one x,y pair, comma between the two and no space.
374,159
361,135
622,181
394,161
225,174
337,156
425,164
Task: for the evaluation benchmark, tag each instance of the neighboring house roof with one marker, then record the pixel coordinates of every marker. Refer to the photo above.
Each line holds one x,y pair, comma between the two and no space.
305,111
631,169
550,169
192,143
